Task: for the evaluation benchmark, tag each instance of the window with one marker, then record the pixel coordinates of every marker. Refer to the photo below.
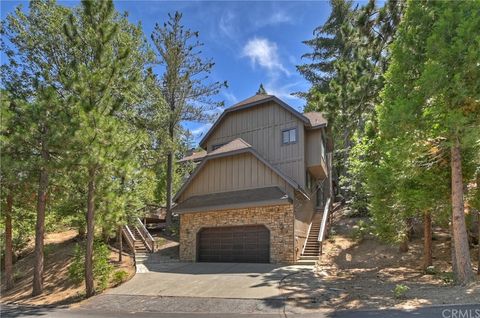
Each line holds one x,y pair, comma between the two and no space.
289,136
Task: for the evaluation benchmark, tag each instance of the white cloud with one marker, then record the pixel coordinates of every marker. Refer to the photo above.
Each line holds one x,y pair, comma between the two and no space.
277,17
230,98
263,52
283,91
200,131
227,24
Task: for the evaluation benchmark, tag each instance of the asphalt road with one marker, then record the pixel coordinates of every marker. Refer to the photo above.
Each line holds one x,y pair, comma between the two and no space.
446,311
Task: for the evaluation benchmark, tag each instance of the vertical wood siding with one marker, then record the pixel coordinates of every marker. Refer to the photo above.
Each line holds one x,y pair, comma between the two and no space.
237,172
261,126
313,154
314,147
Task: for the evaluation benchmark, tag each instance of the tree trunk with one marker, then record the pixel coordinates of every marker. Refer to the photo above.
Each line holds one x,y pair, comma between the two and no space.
463,273
120,244
89,282
427,240
452,248
40,230
478,225
168,217
81,231
8,242
403,248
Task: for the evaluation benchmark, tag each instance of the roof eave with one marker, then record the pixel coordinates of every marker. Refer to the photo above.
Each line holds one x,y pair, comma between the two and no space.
232,206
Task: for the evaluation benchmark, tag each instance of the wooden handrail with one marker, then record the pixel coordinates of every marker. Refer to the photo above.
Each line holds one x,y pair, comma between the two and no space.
145,236
306,239
129,238
321,234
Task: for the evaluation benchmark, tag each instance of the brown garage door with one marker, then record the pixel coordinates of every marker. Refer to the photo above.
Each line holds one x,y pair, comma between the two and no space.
248,244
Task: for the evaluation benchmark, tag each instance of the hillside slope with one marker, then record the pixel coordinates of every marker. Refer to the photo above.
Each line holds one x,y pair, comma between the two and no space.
58,289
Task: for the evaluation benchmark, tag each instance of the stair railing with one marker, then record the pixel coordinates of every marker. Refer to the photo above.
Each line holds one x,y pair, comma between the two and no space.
323,227
145,235
306,239
129,238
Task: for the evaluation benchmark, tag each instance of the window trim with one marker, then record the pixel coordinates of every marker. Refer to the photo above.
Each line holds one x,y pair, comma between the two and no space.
290,142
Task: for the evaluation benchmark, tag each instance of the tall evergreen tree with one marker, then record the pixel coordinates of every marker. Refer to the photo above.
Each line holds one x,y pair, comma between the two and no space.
184,84
348,58
108,65
35,55
432,97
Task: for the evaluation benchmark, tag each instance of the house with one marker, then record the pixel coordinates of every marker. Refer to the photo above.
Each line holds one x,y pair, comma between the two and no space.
257,187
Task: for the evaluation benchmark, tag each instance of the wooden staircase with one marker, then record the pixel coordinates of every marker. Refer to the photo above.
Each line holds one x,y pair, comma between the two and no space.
311,251
139,244
139,240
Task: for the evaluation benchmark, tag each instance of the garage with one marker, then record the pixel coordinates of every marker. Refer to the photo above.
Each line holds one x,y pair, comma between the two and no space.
243,244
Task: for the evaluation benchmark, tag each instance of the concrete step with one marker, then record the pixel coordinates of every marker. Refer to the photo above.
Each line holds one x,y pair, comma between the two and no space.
306,262
309,257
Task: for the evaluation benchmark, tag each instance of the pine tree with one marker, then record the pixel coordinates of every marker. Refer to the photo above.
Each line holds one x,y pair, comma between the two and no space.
108,65
431,102
31,75
261,90
350,55
184,85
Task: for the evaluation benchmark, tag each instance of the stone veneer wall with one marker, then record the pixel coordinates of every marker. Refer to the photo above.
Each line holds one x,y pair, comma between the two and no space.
278,219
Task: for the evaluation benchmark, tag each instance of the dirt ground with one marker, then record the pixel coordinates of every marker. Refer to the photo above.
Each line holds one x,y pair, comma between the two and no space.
58,290
364,273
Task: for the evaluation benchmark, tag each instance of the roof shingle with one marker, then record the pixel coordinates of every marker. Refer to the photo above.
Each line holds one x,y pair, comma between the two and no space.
233,199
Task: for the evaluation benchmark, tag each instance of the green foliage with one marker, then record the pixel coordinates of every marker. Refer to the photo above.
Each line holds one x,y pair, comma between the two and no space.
421,113
446,277
119,277
361,230
349,58
184,88
102,269
431,270
400,291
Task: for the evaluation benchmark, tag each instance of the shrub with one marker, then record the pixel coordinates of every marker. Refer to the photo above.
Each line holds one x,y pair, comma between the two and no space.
119,277
400,291
431,270
361,230
446,277
101,266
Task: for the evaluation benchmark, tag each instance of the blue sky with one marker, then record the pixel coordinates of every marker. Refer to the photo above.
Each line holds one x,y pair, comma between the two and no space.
251,42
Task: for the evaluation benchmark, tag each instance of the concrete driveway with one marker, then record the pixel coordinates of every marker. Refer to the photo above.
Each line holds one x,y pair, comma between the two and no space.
220,280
